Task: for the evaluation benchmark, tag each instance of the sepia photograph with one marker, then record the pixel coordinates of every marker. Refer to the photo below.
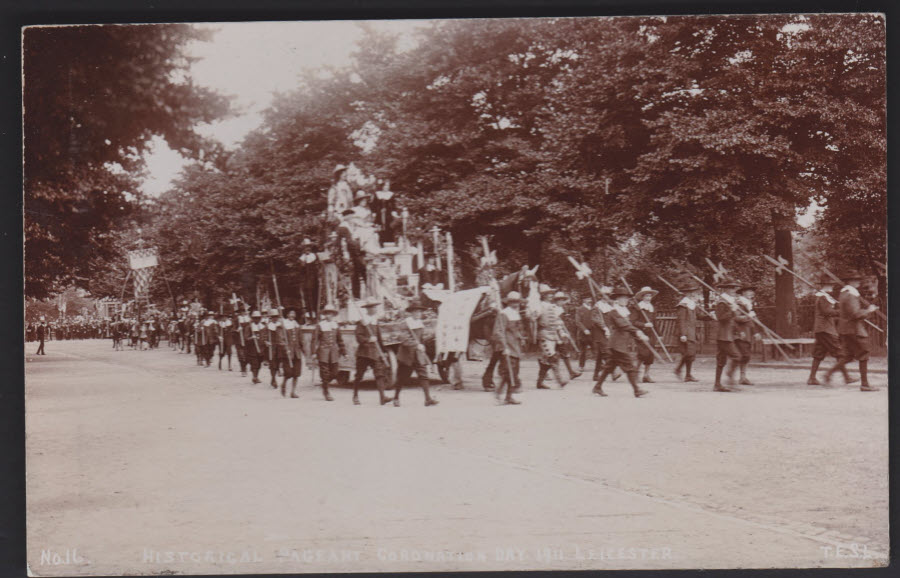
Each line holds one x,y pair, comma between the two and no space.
485,294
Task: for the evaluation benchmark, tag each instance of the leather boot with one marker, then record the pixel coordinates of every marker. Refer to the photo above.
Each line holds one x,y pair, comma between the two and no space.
428,399
647,378
718,385
677,370
283,387
744,380
632,379
598,387
812,372
864,377
294,388
325,391
542,374
847,379
688,376
381,395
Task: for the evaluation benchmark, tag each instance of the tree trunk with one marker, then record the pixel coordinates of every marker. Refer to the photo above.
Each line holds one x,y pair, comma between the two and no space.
784,283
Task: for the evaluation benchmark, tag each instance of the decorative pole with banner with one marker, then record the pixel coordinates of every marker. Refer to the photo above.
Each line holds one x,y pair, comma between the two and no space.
142,262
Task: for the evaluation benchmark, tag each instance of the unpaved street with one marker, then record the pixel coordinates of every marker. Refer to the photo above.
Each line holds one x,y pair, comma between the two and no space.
142,463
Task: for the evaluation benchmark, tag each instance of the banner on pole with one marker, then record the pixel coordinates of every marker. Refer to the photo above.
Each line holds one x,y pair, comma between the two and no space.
143,258
454,316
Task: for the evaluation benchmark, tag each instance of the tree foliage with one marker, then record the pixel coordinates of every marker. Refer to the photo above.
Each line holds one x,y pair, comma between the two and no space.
625,142
93,98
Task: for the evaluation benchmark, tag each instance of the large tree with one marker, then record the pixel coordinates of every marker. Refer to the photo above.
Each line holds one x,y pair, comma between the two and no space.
94,96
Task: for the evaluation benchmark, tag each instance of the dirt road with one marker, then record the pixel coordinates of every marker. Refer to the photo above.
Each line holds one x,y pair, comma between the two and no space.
144,463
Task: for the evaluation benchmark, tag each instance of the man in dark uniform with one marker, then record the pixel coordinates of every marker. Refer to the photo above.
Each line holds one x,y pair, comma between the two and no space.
329,347
583,329
254,338
852,329
411,356
727,312
623,332
41,335
687,315
508,337
369,352
825,331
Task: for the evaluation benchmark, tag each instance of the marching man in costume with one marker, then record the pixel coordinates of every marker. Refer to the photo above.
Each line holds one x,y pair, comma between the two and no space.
254,338
687,316
508,338
291,358
276,342
852,329
644,311
210,337
600,331
411,356
329,348
743,329
567,347
548,323
825,331
225,337
727,313
369,352
239,325
623,332
583,328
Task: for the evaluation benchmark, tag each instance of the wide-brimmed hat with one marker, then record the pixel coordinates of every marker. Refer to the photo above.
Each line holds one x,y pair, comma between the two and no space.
416,305
559,296
688,286
256,314
329,309
361,194
621,291
747,287
512,296
306,243
370,303
645,291
606,290
825,280
273,312
728,283
544,288
339,168
852,275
